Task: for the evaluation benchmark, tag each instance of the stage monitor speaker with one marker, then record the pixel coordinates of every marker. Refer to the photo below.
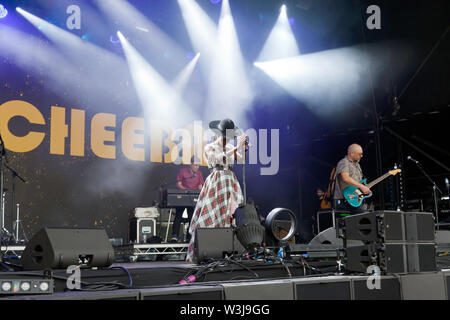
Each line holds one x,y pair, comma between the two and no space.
323,288
261,290
423,286
389,289
58,248
191,292
215,243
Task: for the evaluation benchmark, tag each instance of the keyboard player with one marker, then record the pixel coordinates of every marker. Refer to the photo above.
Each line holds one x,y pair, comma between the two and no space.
191,178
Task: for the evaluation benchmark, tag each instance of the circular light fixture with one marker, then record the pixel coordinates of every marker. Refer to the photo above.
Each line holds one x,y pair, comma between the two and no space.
6,286
281,219
3,12
25,286
43,286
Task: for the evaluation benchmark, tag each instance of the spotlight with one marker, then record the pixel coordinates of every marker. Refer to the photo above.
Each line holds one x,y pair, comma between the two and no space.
6,286
114,40
44,286
249,232
3,11
26,286
281,224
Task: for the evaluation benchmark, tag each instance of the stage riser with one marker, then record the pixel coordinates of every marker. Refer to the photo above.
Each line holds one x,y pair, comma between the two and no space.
421,286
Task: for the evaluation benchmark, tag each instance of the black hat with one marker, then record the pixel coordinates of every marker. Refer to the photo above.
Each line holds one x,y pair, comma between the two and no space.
225,127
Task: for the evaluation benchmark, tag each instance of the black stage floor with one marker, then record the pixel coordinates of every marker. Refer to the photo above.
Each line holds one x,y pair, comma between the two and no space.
252,281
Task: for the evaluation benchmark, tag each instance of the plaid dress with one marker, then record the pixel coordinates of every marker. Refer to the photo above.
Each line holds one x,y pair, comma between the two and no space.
220,196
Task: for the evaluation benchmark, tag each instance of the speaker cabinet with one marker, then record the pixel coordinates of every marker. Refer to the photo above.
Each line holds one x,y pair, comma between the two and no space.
191,292
359,258
215,243
423,286
323,288
58,248
262,290
389,289
409,257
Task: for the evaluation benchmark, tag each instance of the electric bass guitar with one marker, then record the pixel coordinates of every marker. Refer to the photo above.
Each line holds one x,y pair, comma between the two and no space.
355,197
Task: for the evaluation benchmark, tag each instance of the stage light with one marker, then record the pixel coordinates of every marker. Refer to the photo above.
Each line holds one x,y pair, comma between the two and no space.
281,42
325,82
202,32
3,12
6,286
26,286
72,62
281,224
249,231
159,100
44,286
114,40
152,40
229,91
180,82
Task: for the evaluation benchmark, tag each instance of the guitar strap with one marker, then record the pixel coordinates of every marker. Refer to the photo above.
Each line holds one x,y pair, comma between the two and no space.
333,182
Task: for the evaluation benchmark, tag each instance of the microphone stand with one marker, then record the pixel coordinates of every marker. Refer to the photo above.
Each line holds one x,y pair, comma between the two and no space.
2,193
14,175
435,189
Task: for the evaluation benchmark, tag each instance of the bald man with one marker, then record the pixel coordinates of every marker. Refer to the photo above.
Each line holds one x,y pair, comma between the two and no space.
349,173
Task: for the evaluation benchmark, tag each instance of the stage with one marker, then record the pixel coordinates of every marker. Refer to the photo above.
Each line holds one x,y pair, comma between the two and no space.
159,281
318,278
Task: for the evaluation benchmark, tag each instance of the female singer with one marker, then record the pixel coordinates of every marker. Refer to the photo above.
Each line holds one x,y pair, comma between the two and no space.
221,193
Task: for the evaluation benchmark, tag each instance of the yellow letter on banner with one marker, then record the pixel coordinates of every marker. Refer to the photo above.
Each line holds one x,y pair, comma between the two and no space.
17,108
99,135
59,130
130,138
77,135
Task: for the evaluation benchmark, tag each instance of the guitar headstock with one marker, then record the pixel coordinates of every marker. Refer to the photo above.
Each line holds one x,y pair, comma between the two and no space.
394,172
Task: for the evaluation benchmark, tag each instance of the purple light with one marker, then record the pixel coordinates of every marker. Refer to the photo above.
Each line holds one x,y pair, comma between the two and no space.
190,55
113,40
215,1
3,12
291,21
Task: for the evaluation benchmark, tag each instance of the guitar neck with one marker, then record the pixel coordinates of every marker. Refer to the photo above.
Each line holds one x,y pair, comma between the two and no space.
374,182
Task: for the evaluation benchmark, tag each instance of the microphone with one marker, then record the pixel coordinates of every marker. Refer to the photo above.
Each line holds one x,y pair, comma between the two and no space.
412,159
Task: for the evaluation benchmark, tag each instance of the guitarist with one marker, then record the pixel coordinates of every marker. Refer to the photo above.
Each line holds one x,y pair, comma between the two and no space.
349,172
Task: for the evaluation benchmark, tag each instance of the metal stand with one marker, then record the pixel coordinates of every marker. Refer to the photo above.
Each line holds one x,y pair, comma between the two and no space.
435,189
17,225
168,224
3,164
